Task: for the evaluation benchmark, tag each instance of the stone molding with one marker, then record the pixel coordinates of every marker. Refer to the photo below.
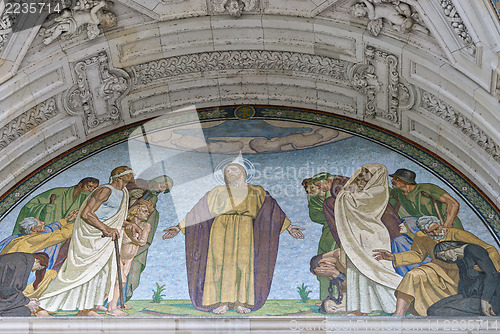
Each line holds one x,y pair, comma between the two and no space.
436,106
26,122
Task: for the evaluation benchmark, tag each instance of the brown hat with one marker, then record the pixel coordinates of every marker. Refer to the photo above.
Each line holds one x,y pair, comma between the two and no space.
405,175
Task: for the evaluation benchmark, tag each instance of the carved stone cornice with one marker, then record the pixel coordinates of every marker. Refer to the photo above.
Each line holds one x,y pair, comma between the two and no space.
96,94
458,25
27,121
434,105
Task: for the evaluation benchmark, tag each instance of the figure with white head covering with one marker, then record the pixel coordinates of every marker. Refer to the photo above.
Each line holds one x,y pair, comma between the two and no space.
358,211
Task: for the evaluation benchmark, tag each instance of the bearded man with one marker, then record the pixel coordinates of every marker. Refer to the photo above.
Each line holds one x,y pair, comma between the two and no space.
430,282
232,238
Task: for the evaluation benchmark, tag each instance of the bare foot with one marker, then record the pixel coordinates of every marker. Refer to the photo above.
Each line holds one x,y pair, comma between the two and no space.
99,308
88,313
221,309
127,307
358,313
242,310
116,313
42,313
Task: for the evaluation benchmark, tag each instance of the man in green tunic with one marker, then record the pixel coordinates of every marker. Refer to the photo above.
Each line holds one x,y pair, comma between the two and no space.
318,189
422,199
55,204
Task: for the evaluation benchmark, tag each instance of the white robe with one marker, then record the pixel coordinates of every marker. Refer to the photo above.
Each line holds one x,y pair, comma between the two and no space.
89,272
370,283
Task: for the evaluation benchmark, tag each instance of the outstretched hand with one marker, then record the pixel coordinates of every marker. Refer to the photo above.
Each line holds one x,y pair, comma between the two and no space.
487,308
171,232
72,215
294,231
382,254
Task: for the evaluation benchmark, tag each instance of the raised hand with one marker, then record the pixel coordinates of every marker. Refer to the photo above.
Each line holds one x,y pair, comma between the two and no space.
72,215
382,254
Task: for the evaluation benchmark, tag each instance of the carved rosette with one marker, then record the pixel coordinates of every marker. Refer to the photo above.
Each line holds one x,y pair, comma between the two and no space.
458,25
28,121
97,92
437,107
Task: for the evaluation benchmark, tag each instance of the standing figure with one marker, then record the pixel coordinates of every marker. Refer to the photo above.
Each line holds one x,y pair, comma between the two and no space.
137,215
89,273
232,238
479,285
358,215
15,268
318,189
55,204
145,192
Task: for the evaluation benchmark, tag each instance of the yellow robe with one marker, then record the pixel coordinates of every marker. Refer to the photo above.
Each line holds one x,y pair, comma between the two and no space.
435,280
229,277
32,243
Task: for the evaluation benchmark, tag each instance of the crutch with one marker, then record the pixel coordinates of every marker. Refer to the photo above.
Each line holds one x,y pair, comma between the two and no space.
119,264
434,202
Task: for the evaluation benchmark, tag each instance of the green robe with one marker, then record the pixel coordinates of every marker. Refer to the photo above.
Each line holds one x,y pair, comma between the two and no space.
418,205
326,242
39,206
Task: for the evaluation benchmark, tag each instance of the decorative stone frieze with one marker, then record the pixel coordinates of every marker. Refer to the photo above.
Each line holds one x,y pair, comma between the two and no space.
98,90
432,104
458,25
158,70
27,121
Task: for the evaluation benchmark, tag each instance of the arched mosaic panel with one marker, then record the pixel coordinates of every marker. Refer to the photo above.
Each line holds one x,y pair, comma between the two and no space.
268,272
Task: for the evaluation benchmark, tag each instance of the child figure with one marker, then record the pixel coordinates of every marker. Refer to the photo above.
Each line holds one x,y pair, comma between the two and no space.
133,238
71,20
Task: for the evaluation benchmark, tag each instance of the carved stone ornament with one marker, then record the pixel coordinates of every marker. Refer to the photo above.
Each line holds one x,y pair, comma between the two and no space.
97,92
436,106
364,80
27,122
6,23
234,7
84,16
396,14
458,25
305,64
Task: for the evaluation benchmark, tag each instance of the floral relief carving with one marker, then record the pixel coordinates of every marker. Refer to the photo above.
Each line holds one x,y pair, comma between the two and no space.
234,7
27,122
436,106
97,92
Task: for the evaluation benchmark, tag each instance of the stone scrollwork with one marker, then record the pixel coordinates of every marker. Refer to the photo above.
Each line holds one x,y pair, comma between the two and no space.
364,80
27,121
400,16
85,16
432,104
458,25
6,23
97,92
234,7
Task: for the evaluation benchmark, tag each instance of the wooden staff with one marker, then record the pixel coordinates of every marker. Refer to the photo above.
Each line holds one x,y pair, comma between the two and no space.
119,264
434,202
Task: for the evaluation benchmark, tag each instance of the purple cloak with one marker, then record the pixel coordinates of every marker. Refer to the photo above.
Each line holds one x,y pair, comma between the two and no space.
266,231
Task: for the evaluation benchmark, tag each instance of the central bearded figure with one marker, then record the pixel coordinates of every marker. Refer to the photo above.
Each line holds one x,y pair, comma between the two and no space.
232,238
